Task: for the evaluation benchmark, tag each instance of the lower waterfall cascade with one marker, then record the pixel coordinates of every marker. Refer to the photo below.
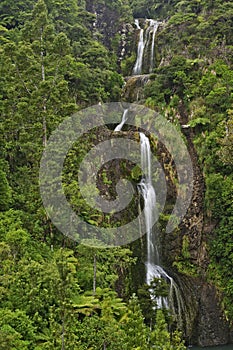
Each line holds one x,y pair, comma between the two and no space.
153,263
174,301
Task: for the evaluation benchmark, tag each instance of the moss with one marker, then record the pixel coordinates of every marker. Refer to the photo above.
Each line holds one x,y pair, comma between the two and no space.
127,64
183,263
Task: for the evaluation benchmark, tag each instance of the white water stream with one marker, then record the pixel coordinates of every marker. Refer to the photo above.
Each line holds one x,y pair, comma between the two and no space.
154,269
138,65
154,24
146,39
153,263
123,121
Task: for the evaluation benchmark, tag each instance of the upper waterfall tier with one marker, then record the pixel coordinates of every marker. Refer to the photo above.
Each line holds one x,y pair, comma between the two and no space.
146,46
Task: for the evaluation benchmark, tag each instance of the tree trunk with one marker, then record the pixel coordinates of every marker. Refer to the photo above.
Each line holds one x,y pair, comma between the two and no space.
63,334
94,275
44,127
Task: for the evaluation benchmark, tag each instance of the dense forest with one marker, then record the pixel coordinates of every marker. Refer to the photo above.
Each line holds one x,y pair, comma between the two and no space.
58,58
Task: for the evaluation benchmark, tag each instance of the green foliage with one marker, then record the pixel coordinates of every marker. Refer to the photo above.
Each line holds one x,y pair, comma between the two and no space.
183,263
160,337
51,66
110,263
199,121
5,191
127,64
16,330
97,333
134,326
136,173
152,9
226,151
54,294
171,85
180,18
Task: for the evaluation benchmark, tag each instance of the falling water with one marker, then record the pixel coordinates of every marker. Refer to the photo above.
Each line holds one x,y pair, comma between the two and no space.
148,194
138,65
144,41
124,119
154,25
153,264
154,269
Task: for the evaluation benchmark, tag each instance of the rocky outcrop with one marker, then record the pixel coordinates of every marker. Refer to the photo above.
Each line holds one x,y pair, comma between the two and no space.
205,324
133,89
106,24
212,327
109,28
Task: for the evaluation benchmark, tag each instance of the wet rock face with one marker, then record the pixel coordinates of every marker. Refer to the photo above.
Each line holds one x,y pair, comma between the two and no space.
108,24
133,90
206,324
212,327
106,21
116,35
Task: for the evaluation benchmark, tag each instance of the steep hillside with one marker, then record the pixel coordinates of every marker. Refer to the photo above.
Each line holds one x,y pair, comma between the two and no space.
192,85
58,58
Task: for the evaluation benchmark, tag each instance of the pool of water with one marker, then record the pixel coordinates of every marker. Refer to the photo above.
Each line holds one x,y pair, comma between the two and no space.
222,347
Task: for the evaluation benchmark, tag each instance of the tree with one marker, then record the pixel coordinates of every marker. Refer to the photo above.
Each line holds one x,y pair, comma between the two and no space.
136,332
226,151
101,328
161,339
17,330
5,191
103,267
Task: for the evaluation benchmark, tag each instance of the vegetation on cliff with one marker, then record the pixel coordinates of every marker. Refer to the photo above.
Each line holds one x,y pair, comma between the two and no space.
55,60
193,85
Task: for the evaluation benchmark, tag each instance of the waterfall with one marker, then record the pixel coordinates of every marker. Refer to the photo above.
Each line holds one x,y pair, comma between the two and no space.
154,269
154,25
153,264
145,41
138,65
124,119
148,194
